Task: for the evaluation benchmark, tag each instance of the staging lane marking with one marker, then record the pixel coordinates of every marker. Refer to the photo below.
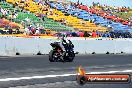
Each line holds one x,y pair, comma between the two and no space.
53,76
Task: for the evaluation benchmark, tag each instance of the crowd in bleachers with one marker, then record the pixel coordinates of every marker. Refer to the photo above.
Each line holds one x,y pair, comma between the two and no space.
96,34
112,8
96,13
27,19
68,14
43,16
107,12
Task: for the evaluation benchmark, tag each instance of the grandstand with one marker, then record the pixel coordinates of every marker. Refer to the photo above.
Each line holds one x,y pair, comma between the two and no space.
104,17
58,15
23,15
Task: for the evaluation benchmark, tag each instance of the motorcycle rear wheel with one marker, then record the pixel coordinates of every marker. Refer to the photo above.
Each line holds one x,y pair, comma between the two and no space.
71,57
52,55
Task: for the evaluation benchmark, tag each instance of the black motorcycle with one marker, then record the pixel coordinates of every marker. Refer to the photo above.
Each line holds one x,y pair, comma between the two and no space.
58,54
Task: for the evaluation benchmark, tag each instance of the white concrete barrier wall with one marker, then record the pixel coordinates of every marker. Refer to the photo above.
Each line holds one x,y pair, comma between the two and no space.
2,46
30,46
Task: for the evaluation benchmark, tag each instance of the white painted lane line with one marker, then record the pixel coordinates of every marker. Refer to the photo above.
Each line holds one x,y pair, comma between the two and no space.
53,76
35,77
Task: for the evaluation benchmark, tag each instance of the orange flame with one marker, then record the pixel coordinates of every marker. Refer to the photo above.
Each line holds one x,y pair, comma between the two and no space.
81,71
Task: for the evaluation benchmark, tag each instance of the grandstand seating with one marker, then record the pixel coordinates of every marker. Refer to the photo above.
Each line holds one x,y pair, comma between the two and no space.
4,22
13,25
109,20
73,21
47,23
80,18
85,15
58,15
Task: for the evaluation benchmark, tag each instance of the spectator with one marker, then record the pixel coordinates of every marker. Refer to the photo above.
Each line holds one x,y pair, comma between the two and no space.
17,31
120,34
63,21
10,30
81,34
26,31
98,33
6,27
33,30
86,34
106,35
109,26
41,30
74,34
112,34
23,1
27,19
94,35
117,35
43,18
127,34
37,32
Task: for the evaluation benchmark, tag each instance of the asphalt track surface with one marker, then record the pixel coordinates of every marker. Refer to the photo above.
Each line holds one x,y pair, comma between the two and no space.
32,66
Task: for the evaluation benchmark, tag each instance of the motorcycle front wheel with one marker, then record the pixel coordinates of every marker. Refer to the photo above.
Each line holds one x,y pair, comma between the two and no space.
71,57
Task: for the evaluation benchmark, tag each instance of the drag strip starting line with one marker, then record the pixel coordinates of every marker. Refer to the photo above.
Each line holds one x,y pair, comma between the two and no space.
54,76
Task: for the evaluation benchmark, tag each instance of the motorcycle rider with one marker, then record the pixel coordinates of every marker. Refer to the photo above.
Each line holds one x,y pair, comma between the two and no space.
64,43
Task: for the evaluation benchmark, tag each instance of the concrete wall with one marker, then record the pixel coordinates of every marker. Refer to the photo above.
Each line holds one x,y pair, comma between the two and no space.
30,46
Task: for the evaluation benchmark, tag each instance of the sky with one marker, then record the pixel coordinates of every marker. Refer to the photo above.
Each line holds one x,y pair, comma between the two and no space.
127,3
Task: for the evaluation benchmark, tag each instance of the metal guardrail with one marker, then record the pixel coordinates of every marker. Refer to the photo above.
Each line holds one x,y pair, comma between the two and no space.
32,46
